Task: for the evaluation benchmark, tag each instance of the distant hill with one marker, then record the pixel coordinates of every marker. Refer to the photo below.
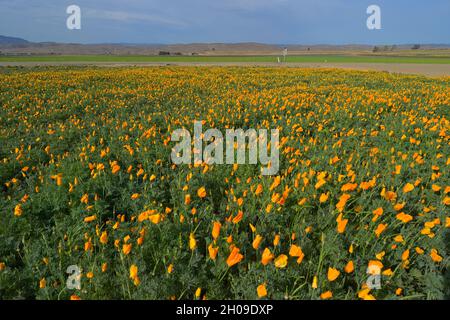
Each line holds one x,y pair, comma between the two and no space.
18,46
12,40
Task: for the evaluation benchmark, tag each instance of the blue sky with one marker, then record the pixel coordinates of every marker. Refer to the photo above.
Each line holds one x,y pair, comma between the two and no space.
268,21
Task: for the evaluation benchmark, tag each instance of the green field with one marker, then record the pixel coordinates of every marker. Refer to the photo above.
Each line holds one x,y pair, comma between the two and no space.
215,59
88,184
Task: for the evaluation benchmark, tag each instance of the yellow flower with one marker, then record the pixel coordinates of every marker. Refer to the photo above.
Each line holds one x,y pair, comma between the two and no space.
134,275
275,197
408,187
201,192
42,283
104,237
323,197
192,242
58,180
155,218
18,210
380,255
364,294
375,267
446,201
133,271
281,261
85,199
314,283
435,188
419,250
388,272
319,184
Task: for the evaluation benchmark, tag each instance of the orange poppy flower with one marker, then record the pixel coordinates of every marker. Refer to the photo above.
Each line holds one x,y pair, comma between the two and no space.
381,227
435,256
261,290
213,251
216,230
104,237
326,295
408,187
256,242
405,218
126,248
333,274
349,267
234,257
341,224
259,190
267,256
201,192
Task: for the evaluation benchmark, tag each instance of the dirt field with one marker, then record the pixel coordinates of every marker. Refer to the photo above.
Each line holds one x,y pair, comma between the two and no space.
431,70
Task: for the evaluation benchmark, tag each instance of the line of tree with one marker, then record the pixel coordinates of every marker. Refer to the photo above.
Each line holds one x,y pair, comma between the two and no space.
392,48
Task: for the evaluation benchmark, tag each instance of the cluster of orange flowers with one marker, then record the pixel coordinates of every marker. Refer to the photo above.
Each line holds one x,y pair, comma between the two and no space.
363,183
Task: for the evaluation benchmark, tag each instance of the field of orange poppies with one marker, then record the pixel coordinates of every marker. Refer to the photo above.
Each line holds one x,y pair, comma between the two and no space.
359,208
